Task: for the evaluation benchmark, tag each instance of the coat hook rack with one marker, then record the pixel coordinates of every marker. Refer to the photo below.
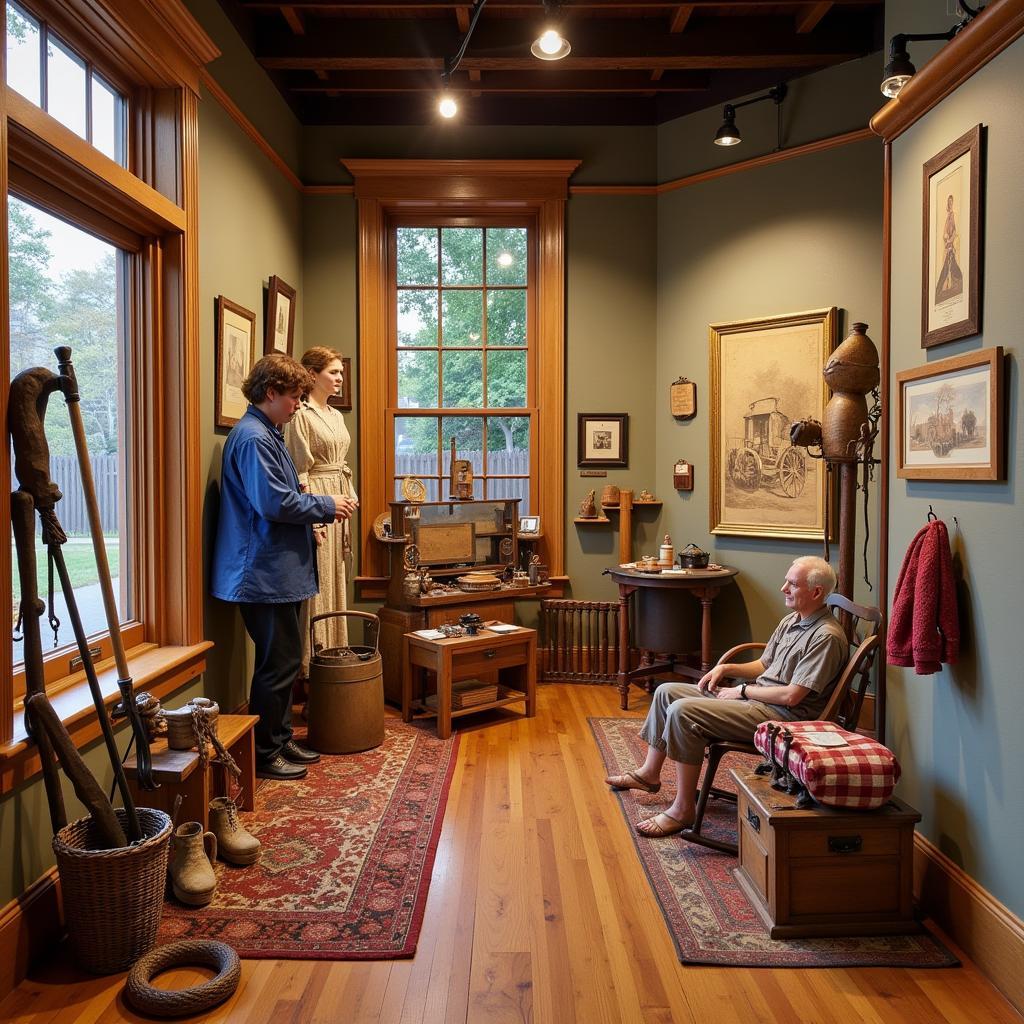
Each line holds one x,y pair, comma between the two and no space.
931,515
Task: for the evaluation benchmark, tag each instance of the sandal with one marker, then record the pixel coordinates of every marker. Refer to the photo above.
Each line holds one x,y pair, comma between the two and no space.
632,781
650,829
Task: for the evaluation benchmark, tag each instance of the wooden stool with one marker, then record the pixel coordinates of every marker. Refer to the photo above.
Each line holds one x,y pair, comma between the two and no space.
179,771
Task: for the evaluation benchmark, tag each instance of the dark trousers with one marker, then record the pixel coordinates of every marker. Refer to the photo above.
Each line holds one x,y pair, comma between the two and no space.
274,629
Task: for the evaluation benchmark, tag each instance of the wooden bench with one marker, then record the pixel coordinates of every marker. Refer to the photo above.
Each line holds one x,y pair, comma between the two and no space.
179,771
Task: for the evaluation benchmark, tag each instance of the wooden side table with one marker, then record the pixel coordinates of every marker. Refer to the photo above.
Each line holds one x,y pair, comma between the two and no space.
179,771
510,659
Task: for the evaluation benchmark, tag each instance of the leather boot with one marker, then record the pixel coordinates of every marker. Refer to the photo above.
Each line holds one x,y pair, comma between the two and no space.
234,844
192,851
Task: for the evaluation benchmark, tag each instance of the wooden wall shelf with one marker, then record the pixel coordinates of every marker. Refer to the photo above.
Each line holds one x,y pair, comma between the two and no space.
592,520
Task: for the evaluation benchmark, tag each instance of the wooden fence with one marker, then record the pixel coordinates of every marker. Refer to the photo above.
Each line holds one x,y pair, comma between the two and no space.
71,508
499,464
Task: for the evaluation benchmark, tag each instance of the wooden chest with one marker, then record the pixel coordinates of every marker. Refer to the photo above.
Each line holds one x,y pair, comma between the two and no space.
824,871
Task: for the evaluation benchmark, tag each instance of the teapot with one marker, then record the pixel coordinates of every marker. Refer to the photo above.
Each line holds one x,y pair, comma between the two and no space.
692,557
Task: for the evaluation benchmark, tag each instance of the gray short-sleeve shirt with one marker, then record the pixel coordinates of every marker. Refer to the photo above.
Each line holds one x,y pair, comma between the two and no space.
809,652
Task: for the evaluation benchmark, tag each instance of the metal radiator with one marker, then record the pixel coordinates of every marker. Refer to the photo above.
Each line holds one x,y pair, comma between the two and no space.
579,641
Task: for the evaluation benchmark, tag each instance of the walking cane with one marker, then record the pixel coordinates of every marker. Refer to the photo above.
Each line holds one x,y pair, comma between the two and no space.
68,384
29,395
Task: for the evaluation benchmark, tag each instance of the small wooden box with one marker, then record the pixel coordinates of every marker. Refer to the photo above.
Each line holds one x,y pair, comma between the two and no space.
824,871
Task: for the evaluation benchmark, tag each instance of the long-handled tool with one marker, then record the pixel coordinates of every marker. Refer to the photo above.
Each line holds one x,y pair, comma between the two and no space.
69,386
29,395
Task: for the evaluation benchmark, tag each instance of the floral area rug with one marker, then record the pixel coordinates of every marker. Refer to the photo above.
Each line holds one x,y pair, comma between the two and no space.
346,859
708,916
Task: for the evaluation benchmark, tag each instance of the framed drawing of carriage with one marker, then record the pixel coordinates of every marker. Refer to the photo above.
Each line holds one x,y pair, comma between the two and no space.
765,376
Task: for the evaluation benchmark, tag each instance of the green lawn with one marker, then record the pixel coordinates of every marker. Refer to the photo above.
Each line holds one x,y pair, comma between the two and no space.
81,563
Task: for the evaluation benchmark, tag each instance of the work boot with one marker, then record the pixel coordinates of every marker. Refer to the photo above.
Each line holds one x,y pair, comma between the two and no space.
234,844
192,851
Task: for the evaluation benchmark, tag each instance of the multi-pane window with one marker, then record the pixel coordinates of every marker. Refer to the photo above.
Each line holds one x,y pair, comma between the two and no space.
53,76
66,287
462,357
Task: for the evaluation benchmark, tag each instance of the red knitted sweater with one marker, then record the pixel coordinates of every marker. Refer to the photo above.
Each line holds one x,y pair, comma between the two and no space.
924,629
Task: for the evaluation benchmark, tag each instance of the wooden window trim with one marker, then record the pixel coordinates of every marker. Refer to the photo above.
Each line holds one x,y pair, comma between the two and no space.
389,189
155,54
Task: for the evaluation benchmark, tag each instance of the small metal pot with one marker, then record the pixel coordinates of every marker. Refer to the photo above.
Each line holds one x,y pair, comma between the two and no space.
692,557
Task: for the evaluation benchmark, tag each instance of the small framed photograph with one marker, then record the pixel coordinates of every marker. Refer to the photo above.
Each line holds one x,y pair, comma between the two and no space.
951,419
951,242
529,525
280,334
343,399
235,356
603,439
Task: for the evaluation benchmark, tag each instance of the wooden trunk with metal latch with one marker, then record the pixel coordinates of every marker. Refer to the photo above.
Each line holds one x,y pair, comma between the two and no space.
821,870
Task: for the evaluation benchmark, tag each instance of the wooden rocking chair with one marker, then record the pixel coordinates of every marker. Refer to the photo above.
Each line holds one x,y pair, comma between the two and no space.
843,708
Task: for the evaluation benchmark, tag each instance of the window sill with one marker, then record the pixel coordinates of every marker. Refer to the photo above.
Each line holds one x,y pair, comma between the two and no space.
160,670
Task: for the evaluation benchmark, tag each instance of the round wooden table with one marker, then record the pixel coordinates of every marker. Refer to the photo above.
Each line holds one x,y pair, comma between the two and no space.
659,627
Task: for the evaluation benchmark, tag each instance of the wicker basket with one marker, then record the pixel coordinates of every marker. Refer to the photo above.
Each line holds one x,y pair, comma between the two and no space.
113,899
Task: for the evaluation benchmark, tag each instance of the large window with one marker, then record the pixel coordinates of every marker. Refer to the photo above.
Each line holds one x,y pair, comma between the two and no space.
463,371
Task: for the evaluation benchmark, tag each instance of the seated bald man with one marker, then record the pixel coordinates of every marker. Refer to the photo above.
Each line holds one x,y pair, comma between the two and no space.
792,680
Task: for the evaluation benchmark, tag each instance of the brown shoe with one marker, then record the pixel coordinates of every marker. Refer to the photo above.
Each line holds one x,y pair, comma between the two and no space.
632,781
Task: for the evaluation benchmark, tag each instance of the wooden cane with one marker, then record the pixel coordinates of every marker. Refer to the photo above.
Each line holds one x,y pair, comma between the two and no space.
69,386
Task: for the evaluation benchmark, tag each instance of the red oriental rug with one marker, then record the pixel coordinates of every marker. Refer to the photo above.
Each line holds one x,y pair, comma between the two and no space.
708,916
346,862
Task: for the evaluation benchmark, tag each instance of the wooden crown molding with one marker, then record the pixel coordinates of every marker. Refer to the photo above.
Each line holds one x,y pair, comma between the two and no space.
995,28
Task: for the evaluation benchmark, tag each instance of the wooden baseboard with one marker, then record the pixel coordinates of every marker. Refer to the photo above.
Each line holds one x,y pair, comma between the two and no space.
29,925
989,933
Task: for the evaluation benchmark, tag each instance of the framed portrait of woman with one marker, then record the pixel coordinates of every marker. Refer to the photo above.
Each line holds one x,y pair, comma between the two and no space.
951,243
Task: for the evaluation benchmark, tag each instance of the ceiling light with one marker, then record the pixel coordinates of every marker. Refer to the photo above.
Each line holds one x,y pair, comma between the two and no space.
729,134
505,259
446,106
899,70
551,44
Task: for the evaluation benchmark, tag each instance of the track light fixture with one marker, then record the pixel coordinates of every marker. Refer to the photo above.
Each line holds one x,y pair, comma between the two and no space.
446,105
898,71
729,134
551,44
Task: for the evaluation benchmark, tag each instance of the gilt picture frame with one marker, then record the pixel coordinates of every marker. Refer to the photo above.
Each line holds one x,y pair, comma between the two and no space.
602,439
235,354
951,242
765,374
280,325
951,419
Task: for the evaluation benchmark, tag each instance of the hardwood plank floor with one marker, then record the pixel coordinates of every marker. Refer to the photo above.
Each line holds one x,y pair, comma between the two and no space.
538,912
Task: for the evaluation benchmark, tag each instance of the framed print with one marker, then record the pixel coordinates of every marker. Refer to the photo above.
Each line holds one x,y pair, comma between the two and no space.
765,374
529,526
951,242
343,399
951,419
603,439
235,356
280,333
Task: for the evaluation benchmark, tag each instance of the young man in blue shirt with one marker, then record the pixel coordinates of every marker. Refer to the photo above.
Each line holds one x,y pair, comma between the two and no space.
264,557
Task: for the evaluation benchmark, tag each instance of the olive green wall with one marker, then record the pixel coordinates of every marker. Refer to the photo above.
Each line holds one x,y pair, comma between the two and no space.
959,734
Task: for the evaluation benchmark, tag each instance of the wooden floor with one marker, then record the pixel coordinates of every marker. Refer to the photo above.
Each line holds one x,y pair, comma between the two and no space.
539,911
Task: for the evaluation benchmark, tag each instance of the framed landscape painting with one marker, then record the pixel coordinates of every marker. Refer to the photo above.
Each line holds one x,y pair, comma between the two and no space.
951,419
951,243
765,375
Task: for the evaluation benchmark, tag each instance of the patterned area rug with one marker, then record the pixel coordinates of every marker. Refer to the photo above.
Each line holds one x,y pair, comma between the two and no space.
346,862
708,916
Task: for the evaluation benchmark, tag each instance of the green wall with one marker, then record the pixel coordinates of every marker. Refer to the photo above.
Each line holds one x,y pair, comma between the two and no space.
960,733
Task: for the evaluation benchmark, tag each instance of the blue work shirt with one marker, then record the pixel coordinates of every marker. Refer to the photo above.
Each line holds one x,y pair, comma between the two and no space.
265,552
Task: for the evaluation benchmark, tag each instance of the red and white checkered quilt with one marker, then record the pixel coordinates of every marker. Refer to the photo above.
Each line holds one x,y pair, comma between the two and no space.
860,774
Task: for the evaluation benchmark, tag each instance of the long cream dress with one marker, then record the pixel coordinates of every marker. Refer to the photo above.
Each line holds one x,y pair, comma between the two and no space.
318,441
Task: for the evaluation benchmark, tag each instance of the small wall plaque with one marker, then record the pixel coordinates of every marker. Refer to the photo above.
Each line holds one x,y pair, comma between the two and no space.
683,395
682,476
593,472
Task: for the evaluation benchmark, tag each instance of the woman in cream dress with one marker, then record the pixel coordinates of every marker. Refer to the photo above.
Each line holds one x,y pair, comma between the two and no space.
318,441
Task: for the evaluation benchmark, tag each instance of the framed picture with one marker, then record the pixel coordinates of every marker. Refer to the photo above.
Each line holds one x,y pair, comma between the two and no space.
765,374
603,439
951,419
529,525
235,356
343,399
280,334
951,242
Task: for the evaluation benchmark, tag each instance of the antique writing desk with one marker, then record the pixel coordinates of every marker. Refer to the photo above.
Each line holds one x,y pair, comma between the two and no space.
660,610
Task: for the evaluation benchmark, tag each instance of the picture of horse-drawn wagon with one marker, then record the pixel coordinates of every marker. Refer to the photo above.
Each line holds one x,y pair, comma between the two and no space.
765,458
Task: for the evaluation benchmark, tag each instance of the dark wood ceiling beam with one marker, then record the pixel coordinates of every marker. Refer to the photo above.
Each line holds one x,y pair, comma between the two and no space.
807,20
680,16
462,18
508,82
387,9
294,20
656,74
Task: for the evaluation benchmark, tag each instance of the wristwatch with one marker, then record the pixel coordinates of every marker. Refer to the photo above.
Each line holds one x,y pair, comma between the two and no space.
743,691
